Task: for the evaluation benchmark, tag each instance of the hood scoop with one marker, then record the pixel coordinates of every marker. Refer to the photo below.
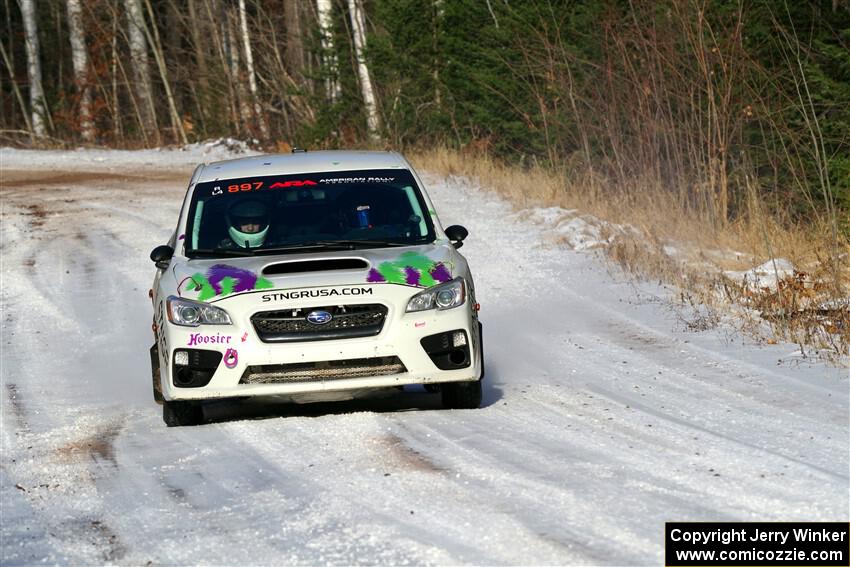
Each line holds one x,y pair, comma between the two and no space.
315,266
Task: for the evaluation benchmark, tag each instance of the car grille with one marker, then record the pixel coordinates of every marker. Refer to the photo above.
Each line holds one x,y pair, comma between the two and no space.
291,325
322,371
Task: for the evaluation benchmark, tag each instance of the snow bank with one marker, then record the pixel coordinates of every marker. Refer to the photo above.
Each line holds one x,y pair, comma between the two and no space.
90,158
767,275
580,232
842,303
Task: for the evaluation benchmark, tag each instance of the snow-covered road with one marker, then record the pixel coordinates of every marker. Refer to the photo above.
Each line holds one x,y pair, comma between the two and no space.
602,418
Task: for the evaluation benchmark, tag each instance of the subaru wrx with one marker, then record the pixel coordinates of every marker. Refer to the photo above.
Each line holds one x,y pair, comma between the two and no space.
311,276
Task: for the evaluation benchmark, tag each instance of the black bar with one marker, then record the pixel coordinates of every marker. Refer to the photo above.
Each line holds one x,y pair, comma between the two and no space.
693,544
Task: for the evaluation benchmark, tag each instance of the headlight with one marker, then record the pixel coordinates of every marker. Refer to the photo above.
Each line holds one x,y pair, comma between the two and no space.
193,313
444,296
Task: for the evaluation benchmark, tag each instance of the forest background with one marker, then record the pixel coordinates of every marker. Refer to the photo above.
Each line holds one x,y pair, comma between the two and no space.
723,123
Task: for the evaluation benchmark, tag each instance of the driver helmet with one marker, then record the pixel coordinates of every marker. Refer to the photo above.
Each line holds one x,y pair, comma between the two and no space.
248,223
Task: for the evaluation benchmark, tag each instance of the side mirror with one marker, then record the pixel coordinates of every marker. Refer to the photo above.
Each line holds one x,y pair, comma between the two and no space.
456,234
161,256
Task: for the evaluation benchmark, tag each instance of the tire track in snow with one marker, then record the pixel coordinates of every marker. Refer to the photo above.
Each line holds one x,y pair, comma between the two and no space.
407,457
72,467
16,404
444,512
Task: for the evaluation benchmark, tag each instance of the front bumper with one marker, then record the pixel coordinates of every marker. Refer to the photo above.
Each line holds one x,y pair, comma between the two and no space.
240,348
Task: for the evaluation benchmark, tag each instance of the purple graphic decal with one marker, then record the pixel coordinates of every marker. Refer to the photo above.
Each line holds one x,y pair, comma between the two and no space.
245,280
412,275
411,269
375,276
222,279
440,273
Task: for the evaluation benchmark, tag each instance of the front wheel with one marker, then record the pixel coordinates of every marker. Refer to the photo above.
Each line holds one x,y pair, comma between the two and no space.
462,395
178,414
157,381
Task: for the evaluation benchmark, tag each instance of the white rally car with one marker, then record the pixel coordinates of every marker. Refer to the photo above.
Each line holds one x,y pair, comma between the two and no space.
313,276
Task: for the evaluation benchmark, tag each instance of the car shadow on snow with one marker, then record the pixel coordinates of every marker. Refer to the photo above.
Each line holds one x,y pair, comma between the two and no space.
491,393
412,398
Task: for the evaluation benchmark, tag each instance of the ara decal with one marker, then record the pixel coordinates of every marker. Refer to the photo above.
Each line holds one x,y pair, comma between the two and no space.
411,269
222,280
260,185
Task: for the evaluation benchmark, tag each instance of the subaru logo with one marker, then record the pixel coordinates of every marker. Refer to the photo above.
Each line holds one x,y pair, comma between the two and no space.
319,317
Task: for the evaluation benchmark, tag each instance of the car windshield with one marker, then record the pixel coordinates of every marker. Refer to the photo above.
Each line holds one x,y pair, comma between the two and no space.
283,213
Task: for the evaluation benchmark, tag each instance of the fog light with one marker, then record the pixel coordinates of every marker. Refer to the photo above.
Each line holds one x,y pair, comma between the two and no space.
181,358
448,350
458,338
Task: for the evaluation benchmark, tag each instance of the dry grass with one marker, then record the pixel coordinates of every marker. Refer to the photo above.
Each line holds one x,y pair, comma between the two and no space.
801,309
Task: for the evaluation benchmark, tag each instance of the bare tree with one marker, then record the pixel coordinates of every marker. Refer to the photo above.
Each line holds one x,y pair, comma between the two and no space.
294,40
38,109
202,91
141,70
80,61
10,66
358,25
249,66
216,22
325,13
234,62
159,57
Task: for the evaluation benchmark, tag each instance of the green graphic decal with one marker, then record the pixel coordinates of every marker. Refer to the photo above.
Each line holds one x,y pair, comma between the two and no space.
222,280
411,269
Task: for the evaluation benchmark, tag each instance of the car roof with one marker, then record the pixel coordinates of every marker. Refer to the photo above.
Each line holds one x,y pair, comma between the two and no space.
300,162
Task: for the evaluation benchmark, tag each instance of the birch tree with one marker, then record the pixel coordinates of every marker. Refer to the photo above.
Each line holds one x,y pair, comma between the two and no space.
358,25
141,70
241,96
249,66
80,61
325,13
38,109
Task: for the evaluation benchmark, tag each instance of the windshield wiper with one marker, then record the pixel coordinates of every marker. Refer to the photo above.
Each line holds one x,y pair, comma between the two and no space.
327,245
366,243
220,252
300,248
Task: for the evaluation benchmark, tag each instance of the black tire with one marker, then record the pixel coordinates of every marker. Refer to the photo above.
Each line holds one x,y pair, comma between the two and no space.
157,381
178,414
462,395
466,395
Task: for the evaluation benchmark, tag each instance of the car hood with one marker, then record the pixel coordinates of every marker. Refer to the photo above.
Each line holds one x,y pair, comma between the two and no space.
216,279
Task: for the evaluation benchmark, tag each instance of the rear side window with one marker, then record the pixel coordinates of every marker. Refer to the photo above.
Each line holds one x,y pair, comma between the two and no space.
282,210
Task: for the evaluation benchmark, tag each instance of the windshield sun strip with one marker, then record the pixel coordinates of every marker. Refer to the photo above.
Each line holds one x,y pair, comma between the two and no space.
199,197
